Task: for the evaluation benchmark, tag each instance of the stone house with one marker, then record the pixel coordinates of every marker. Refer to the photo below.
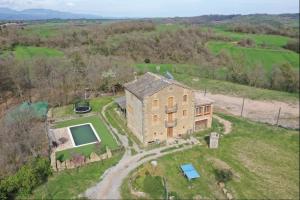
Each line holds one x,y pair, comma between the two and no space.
158,108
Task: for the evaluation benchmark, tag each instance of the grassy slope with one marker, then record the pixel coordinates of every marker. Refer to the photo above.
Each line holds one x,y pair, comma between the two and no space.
267,57
181,73
96,104
69,184
250,152
271,41
22,52
272,54
44,30
105,136
119,123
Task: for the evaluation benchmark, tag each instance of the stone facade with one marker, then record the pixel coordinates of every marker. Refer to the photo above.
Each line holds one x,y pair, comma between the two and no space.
158,108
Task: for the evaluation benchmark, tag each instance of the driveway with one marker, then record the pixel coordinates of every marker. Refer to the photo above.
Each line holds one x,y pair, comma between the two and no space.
112,179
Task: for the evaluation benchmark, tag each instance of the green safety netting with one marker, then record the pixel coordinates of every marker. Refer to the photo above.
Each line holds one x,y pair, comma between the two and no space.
38,109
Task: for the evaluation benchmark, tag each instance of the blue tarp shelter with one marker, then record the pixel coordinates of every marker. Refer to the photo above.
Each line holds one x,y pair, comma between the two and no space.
189,171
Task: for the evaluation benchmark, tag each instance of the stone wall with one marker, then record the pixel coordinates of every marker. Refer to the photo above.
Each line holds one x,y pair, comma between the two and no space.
134,111
184,124
80,161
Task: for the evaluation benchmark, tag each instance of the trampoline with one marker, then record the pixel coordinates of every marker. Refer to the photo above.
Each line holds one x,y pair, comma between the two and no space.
82,107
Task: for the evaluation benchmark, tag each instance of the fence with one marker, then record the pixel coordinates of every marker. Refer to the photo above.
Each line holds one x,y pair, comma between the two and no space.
271,112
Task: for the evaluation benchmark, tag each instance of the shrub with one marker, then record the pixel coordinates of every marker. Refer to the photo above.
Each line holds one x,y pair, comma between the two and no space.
246,42
154,187
223,175
293,45
147,60
29,176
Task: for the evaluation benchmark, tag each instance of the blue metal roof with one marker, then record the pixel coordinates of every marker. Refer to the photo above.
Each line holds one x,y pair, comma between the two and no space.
189,171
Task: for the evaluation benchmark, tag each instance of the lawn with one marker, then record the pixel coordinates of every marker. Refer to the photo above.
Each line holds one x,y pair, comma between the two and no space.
95,103
189,75
264,160
69,184
22,52
267,57
105,136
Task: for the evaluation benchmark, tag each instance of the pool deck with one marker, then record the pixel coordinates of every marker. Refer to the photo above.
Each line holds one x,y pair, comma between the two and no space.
63,133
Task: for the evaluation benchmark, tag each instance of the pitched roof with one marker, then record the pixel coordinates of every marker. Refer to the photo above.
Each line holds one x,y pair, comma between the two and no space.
149,84
200,100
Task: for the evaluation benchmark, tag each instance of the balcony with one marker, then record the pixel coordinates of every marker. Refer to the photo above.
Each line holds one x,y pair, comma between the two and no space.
171,109
170,124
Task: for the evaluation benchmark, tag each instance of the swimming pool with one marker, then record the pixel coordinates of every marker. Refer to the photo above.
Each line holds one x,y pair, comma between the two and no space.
83,134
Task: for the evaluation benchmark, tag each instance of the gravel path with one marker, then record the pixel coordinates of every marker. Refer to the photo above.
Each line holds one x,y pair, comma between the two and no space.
112,179
109,186
227,124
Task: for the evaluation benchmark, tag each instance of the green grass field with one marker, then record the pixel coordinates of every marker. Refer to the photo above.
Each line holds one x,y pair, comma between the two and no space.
68,110
264,160
270,41
188,75
69,184
22,52
267,57
105,136
44,30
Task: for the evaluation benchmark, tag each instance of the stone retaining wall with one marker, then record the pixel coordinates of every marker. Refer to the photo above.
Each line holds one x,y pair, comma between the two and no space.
80,161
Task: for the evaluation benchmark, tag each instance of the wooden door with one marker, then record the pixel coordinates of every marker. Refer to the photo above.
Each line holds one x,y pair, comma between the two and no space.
170,132
170,102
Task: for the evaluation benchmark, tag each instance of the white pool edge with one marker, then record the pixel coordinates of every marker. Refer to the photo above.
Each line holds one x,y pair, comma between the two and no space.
72,140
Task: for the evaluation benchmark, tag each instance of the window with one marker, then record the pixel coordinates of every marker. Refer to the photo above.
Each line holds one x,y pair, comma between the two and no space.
155,103
207,109
155,118
199,110
184,112
185,98
154,133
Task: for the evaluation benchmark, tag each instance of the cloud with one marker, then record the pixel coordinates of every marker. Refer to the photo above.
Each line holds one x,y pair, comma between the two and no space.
155,8
70,4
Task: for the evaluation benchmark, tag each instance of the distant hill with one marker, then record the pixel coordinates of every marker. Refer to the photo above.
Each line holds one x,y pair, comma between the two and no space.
41,14
275,20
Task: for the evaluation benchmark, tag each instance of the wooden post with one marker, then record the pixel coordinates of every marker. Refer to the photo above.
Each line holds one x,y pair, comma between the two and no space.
278,116
166,189
205,92
243,107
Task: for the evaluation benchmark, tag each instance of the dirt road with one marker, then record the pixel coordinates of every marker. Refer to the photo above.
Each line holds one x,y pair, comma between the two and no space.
109,186
262,111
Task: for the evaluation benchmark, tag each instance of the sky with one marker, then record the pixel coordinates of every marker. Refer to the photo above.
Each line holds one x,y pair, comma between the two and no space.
158,8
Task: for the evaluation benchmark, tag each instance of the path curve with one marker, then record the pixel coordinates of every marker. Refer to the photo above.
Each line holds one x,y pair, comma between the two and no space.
227,124
109,186
110,182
